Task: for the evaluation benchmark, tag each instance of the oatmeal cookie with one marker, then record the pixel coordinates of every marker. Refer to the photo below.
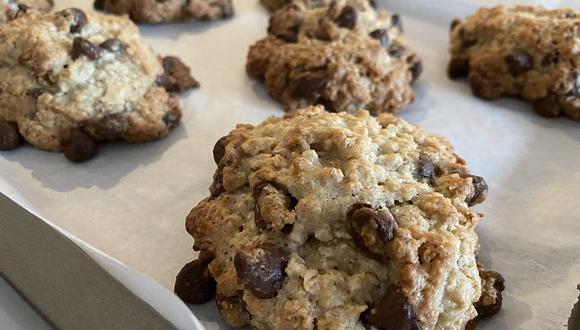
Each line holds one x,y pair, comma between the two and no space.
522,51
273,5
155,11
10,8
344,56
336,221
71,79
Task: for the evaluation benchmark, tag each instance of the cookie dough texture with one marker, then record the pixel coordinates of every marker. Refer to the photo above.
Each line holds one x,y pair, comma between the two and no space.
70,71
337,221
522,51
155,11
10,8
345,56
273,5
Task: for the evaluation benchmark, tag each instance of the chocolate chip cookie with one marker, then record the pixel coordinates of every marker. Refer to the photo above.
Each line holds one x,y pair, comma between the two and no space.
273,5
344,56
10,8
71,79
336,221
522,51
155,11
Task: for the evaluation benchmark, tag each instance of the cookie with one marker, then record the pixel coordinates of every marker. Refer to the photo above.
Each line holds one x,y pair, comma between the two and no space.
273,5
155,11
522,51
10,8
72,79
490,302
344,56
336,221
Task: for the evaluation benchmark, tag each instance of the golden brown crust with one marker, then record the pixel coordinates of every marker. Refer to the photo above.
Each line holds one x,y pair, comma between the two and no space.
292,183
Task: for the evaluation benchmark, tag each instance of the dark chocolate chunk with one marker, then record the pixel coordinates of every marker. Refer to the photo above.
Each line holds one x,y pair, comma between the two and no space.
290,35
114,45
519,62
492,286
194,283
308,85
396,50
100,4
79,147
219,149
457,68
425,167
9,136
454,24
177,76
397,22
79,19
548,106
392,312
82,46
382,36
416,67
550,58
371,229
347,17
262,269
217,186
479,191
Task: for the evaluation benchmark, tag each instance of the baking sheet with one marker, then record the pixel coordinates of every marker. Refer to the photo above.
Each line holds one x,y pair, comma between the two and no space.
131,201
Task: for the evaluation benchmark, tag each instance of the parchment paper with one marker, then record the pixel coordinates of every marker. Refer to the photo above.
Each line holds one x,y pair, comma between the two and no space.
130,202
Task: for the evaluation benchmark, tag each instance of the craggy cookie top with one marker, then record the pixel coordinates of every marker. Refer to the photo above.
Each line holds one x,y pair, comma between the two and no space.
345,56
523,51
10,8
73,71
155,11
273,5
337,221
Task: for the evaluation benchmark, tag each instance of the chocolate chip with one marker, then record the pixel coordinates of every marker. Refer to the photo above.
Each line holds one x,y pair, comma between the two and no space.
397,22
454,24
373,3
425,167
194,284
457,68
100,4
290,35
479,191
217,186
492,286
262,269
347,17
82,46
233,310
477,86
9,136
327,104
382,36
172,117
109,127
415,67
392,312
519,62
219,149
79,147
177,76
371,229
273,206
79,19
307,85
114,45
396,50
550,58
466,40
548,106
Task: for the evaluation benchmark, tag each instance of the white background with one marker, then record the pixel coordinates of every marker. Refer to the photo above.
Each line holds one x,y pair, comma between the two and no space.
131,201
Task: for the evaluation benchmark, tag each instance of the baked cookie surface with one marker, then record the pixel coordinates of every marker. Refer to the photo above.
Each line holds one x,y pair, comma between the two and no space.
10,8
346,56
522,51
273,5
155,11
71,79
337,221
